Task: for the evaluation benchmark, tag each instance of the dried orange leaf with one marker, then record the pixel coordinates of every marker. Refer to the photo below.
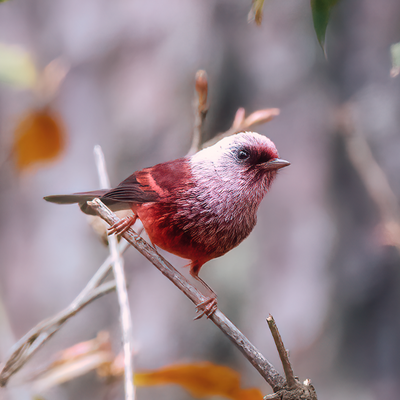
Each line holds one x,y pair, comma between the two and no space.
39,137
202,88
201,380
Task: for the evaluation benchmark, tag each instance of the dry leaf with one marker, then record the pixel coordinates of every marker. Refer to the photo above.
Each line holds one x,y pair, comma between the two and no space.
239,118
260,117
39,137
201,380
256,12
202,88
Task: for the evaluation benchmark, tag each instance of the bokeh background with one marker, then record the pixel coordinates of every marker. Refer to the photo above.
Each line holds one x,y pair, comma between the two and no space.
317,259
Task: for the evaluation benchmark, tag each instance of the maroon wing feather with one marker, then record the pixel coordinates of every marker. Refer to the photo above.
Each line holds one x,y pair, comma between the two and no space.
133,190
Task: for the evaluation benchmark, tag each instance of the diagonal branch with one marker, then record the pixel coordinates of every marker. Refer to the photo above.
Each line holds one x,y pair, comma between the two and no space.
263,366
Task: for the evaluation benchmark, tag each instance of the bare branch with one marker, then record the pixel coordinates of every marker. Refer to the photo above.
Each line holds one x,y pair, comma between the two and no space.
268,372
283,354
123,300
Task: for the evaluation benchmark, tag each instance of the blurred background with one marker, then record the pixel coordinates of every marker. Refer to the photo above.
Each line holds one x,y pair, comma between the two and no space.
320,259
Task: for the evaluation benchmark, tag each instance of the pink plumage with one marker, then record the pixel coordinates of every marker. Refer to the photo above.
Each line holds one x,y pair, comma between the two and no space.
197,207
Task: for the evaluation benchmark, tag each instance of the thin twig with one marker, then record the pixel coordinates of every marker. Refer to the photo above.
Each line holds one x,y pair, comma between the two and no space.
283,354
294,389
201,108
122,293
275,380
37,336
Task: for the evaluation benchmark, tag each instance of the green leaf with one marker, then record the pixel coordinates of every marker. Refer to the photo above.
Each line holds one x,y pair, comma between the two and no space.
17,67
395,51
3,1
321,10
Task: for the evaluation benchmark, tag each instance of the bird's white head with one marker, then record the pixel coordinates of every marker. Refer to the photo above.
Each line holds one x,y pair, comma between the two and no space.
246,158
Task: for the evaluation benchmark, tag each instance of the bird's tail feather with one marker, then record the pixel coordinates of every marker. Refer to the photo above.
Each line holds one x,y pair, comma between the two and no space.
75,197
84,197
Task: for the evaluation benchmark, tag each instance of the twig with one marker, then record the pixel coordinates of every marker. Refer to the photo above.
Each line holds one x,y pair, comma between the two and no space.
119,274
37,336
269,373
283,354
201,108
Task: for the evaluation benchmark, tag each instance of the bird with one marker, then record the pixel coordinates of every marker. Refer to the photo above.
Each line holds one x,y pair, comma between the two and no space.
197,207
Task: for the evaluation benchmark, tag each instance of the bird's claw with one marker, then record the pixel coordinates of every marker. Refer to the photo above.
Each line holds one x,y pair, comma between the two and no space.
122,225
206,307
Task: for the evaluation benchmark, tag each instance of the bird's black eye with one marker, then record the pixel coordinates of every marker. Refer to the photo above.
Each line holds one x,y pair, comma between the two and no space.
243,154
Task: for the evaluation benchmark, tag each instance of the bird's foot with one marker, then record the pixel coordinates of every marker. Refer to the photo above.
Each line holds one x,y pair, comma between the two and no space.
122,225
206,307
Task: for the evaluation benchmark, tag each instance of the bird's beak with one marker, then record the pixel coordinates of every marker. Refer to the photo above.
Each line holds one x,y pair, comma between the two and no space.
276,163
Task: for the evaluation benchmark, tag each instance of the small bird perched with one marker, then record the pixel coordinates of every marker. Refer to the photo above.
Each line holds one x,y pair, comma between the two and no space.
197,207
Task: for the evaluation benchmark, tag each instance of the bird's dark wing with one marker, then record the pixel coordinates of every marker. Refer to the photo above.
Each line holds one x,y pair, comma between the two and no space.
134,189
128,192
